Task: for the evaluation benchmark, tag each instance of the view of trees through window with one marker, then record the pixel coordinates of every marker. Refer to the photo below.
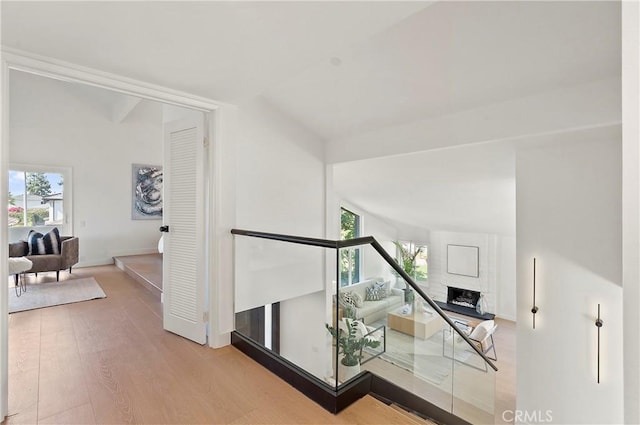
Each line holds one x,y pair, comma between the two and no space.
35,198
349,258
413,259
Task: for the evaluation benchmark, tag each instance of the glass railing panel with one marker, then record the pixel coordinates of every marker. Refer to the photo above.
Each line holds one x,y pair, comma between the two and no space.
411,350
283,299
473,386
338,312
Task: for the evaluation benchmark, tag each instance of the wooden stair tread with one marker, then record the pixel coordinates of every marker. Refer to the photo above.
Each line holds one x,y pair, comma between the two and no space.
415,419
369,410
142,271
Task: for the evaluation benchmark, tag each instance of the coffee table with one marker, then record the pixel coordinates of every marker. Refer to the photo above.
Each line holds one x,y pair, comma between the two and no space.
420,324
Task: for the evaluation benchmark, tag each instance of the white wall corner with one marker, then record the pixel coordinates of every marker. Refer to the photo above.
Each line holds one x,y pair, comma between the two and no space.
4,173
223,132
123,107
631,206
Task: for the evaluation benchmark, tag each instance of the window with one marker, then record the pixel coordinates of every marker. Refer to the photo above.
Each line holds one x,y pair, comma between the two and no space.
37,197
413,258
350,261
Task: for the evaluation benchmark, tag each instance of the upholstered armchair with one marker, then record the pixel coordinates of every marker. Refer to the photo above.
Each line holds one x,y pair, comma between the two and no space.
68,257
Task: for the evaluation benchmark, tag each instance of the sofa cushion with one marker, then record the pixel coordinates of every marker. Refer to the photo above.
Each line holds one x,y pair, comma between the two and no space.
40,244
391,301
370,307
18,249
384,287
352,298
374,293
44,262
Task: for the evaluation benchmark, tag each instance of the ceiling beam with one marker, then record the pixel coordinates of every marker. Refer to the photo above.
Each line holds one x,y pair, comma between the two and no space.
585,106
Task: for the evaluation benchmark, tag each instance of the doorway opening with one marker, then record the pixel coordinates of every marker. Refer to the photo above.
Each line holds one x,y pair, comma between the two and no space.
80,82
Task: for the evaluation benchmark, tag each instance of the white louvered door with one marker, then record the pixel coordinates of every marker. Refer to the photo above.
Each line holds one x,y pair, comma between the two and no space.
184,281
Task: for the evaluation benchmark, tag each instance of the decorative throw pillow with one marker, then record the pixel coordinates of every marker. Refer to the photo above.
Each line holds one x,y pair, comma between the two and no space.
351,298
384,288
373,293
361,328
39,244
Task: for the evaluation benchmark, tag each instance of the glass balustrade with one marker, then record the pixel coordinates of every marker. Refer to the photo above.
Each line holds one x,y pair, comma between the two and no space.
282,303
337,312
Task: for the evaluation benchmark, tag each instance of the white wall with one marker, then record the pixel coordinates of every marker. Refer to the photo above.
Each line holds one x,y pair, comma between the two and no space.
302,341
54,123
280,174
280,188
385,234
631,206
569,219
506,278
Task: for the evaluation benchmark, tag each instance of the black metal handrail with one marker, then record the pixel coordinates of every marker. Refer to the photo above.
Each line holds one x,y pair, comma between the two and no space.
367,240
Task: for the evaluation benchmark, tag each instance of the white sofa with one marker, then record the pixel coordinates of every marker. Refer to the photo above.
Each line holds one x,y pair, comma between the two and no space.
372,311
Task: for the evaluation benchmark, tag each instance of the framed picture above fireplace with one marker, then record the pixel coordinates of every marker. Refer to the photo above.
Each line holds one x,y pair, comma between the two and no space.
463,260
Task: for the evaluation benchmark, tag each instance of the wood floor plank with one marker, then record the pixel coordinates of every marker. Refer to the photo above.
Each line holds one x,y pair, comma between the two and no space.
24,341
81,415
368,410
61,386
110,399
23,418
23,398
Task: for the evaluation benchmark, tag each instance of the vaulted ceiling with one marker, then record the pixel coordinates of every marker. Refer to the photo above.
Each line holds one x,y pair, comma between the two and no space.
371,79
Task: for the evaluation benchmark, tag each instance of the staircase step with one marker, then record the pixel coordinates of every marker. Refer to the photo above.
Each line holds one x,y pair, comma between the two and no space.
415,419
122,265
369,410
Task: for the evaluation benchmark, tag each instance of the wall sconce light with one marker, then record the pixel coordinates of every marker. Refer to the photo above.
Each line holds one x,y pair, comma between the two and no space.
599,324
534,309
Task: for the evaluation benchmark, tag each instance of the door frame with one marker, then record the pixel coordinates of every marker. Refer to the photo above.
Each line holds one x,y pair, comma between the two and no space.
220,128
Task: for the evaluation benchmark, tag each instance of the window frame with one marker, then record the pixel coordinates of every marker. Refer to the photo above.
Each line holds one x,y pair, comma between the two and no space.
67,200
355,276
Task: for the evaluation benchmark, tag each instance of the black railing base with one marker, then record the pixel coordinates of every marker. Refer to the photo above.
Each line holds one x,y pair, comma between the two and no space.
309,385
335,401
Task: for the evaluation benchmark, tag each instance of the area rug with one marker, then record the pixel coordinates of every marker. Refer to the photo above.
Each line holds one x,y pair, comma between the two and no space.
55,293
423,358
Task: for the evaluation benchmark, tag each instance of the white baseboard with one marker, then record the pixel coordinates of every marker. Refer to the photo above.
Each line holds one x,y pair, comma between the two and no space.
93,263
109,260
505,317
141,251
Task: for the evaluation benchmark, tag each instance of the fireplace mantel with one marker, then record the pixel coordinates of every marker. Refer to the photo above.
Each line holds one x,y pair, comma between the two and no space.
467,311
463,301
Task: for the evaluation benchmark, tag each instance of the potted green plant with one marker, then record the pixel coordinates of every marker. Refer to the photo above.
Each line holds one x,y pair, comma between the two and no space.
350,346
409,296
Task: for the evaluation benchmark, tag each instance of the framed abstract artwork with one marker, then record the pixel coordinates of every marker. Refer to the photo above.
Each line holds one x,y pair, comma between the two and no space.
146,193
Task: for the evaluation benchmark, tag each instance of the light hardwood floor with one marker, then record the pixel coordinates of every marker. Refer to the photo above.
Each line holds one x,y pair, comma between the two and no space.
147,269
505,341
109,361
